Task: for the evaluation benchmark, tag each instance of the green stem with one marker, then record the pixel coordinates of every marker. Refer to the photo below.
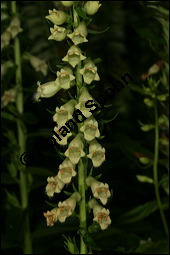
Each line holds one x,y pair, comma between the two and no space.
82,208
21,139
155,171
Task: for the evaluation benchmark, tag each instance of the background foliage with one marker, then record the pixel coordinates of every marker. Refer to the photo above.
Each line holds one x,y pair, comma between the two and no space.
132,44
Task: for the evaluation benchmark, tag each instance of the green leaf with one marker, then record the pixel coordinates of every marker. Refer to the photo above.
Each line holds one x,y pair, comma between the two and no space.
29,118
51,204
8,179
52,112
107,121
12,169
67,193
8,116
12,199
97,60
90,31
39,171
81,13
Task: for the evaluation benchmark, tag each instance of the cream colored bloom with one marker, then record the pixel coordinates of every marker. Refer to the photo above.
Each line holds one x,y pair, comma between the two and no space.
84,97
48,89
14,28
101,215
5,39
67,3
64,113
5,66
57,17
96,153
51,217
9,96
66,208
38,64
99,189
90,129
55,185
79,34
66,171
74,56
64,77
89,72
62,134
75,149
57,33
91,7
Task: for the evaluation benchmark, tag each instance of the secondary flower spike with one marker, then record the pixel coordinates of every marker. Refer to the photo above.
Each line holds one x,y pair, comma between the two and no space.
99,189
96,153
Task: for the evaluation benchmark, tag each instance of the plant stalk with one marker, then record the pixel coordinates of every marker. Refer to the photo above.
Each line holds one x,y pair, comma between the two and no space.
21,140
155,170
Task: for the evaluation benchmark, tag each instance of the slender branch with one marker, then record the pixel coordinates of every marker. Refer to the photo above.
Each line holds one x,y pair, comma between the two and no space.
21,139
155,170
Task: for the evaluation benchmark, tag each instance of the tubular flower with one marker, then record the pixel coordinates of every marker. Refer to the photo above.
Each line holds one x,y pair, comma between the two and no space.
91,7
5,66
63,133
54,185
57,33
57,17
51,217
75,149
90,129
9,96
66,171
99,189
84,97
14,27
89,72
38,64
66,208
79,34
5,39
64,78
64,113
48,89
73,56
67,3
101,215
96,153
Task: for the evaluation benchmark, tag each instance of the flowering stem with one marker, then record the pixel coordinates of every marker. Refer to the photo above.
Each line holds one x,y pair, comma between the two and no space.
21,139
155,170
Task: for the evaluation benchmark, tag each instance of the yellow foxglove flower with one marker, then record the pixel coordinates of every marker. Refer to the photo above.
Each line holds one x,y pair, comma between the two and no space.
57,33
51,217
14,28
101,215
48,89
99,189
64,113
66,171
38,64
91,7
90,129
89,72
67,3
5,39
75,149
66,208
9,96
55,185
96,153
79,34
74,56
62,134
84,97
57,17
64,77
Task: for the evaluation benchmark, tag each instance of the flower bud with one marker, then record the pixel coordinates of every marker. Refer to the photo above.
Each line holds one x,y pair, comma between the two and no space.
51,217
144,160
57,33
79,34
14,28
55,185
146,128
66,171
67,3
57,17
75,149
96,153
64,78
46,90
90,129
5,39
64,113
91,7
149,102
99,189
74,56
89,72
